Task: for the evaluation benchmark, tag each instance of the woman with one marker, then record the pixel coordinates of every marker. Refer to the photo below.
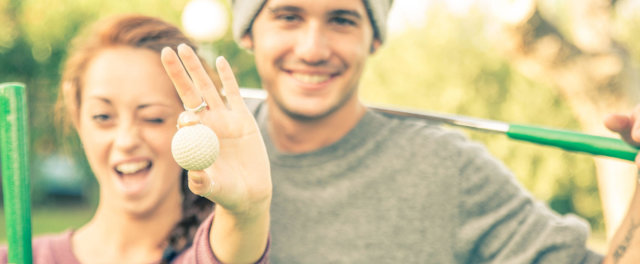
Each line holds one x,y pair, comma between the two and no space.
124,107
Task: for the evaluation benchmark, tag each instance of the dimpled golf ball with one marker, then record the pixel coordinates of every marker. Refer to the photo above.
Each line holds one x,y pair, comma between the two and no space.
195,147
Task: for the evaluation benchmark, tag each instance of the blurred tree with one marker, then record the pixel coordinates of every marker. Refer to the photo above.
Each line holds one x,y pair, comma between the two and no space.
451,65
34,39
592,70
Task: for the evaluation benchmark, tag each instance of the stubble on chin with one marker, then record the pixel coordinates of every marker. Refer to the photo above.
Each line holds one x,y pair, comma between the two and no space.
309,118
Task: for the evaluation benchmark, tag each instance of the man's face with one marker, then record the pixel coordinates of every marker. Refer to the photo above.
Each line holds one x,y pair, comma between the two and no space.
310,54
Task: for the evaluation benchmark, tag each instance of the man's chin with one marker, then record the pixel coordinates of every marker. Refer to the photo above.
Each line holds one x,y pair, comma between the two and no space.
307,116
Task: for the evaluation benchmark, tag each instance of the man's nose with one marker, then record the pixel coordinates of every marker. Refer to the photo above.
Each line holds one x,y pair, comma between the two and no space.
313,47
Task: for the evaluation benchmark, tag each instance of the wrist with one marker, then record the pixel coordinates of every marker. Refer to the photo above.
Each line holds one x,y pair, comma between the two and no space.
248,214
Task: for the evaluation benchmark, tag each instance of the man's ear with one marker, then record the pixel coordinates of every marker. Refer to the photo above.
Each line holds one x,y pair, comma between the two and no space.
246,41
375,45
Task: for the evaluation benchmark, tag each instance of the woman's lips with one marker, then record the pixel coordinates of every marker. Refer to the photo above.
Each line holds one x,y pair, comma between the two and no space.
133,177
132,167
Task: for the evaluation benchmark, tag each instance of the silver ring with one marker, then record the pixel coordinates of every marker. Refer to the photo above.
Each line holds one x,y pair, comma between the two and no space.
197,109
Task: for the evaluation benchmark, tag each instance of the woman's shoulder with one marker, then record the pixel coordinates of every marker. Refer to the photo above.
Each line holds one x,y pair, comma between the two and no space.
55,248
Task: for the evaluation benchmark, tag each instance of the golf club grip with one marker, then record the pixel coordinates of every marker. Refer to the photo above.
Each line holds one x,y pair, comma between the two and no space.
15,171
574,141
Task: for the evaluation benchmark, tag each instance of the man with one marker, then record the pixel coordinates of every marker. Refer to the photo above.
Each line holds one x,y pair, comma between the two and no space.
354,186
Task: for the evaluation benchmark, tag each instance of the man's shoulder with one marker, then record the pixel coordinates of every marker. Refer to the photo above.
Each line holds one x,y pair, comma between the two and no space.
419,129
253,104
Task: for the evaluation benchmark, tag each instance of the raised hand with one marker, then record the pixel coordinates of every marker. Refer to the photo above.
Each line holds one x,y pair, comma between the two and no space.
239,181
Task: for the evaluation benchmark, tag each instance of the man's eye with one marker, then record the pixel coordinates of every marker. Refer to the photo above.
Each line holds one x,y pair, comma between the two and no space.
343,21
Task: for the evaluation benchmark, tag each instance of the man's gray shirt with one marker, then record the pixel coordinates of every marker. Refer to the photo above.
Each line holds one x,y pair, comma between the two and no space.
401,190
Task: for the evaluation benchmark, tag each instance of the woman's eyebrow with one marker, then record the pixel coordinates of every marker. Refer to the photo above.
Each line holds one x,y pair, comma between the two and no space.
147,105
100,98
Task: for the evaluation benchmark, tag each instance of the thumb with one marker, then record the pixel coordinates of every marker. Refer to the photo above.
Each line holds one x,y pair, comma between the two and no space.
202,184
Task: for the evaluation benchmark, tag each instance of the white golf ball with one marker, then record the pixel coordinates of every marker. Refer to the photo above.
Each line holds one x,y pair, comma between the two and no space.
195,147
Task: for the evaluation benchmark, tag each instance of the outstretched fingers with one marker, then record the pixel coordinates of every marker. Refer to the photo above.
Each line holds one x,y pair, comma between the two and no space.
620,124
628,126
181,80
201,79
229,83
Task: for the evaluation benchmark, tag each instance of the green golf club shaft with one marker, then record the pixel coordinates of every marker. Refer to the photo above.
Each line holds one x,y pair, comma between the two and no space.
567,140
15,171
573,141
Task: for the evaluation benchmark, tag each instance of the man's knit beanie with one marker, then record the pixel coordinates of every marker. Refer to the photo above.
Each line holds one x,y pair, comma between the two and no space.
245,11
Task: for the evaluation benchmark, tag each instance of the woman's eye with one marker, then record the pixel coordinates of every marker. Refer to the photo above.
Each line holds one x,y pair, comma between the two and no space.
155,120
101,118
289,18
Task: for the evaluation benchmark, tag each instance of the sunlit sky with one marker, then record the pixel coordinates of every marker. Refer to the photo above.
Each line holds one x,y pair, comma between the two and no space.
405,14
411,13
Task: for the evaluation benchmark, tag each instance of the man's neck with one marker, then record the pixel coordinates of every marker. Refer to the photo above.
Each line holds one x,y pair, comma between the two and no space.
295,136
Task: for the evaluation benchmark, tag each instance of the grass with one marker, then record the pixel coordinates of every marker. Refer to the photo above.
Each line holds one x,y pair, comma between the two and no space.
53,219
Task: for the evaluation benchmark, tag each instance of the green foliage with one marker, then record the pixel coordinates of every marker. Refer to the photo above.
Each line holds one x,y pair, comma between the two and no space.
450,66
34,40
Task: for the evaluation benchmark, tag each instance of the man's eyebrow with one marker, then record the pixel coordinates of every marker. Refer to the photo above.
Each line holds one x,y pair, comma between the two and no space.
346,12
286,8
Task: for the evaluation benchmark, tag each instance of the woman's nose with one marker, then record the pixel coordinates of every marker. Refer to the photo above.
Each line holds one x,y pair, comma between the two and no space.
128,137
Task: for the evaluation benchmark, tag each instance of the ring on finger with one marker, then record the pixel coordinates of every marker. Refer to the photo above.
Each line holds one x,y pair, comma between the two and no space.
198,108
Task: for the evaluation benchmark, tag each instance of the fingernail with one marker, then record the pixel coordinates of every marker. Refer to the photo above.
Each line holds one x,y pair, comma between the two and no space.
183,47
220,60
196,178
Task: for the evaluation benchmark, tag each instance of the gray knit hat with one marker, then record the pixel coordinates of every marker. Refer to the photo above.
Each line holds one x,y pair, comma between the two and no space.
245,11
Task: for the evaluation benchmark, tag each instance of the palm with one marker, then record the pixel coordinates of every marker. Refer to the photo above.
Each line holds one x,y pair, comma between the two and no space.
241,173
242,169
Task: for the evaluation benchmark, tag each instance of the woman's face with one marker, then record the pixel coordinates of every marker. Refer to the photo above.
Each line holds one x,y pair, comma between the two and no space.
127,117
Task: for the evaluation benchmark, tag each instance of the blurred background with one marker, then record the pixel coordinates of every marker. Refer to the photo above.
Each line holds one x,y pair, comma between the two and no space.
554,63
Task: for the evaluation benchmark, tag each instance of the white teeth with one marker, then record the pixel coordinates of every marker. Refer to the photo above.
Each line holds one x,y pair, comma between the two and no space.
311,78
132,167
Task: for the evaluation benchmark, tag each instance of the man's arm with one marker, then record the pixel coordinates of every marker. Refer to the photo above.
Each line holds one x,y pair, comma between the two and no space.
625,245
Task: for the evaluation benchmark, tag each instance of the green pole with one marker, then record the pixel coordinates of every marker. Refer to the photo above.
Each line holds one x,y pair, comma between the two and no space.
574,141
15,171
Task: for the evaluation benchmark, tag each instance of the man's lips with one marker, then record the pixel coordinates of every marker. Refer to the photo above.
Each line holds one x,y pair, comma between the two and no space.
310,78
